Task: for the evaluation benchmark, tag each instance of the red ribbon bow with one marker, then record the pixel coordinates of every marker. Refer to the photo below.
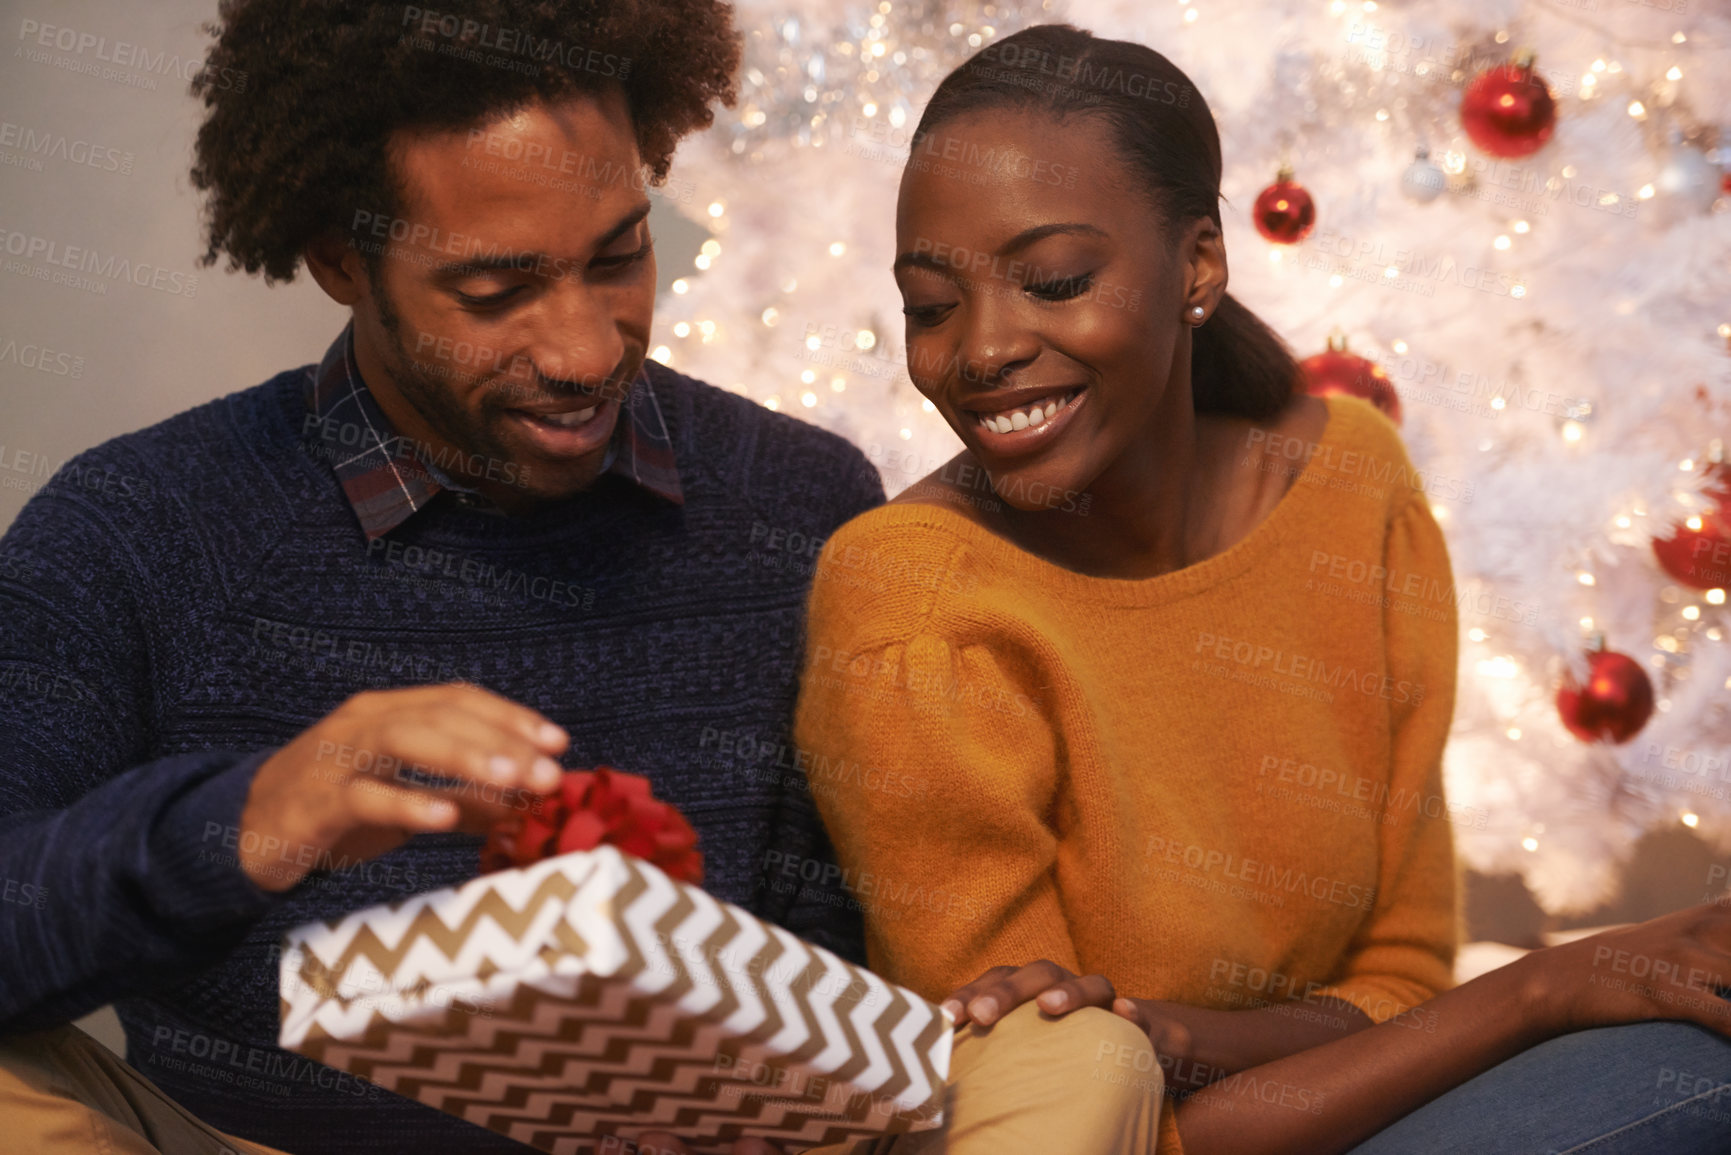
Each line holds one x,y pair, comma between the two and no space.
598,806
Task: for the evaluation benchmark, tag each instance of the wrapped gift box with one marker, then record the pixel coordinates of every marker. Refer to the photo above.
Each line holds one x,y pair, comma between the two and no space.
590,996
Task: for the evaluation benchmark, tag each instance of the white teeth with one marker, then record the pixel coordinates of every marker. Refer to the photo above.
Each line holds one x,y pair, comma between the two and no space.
1035,415
569,420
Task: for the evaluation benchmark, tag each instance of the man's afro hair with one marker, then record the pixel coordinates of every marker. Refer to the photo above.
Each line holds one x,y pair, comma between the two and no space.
304,94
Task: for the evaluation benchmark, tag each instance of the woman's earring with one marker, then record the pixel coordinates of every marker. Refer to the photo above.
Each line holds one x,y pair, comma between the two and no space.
1197,312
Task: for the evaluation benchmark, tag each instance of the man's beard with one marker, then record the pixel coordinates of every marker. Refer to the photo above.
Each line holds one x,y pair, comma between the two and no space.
435,399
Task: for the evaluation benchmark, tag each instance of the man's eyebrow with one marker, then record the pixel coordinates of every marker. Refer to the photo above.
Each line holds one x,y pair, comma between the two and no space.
926,260
528,262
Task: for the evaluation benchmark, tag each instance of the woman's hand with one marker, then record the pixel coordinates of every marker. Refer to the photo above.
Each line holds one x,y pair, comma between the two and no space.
1002,989
1196,1045
1671,967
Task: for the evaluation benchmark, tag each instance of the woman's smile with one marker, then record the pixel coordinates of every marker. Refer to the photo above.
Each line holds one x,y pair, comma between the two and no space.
1009,423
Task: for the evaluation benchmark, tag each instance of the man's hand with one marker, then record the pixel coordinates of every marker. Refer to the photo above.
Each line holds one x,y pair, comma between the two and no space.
345,785
1002,989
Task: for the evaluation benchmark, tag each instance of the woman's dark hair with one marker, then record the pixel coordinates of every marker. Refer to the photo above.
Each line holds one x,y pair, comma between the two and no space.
303,96
1166,136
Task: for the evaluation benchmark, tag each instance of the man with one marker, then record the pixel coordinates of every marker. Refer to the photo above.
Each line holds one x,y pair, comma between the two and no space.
290,653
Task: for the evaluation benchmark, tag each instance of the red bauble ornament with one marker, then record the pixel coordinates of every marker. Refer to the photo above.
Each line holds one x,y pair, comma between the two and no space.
1615,703
1507,110
1284,211
592,807
1701,557
1339,371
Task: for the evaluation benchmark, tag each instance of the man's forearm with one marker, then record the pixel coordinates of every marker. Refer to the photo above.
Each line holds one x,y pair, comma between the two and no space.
129,886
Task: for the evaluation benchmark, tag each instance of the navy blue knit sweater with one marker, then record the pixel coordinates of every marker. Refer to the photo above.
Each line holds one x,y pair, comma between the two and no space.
179,602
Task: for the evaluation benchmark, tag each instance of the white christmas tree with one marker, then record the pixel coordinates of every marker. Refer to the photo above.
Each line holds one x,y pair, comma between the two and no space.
1556,326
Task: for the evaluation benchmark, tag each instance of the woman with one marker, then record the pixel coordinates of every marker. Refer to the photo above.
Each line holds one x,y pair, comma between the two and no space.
1169,654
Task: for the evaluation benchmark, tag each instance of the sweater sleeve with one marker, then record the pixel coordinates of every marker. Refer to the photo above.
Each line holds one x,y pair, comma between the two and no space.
938,782
1404,953
819,910
118,871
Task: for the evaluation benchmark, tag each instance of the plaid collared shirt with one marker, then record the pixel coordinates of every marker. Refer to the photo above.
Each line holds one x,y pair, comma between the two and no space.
387,477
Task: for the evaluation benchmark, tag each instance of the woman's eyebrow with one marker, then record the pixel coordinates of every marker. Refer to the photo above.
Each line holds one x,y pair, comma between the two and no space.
926,259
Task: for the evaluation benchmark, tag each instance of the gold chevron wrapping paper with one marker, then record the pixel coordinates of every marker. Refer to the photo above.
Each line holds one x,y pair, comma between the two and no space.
590,996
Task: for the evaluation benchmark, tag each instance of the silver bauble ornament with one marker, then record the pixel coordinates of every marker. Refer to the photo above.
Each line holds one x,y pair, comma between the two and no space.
1422,182
1687,184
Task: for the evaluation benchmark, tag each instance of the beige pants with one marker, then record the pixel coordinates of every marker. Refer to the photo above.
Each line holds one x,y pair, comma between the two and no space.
1085,1084
62,1092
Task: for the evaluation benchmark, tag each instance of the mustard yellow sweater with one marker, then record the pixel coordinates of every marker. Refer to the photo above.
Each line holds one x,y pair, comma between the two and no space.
1220,786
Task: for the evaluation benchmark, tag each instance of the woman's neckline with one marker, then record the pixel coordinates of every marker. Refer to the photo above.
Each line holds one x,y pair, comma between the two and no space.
1297,502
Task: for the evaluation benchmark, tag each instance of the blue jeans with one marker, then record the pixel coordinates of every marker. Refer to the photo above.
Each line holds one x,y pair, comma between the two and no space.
1659,1088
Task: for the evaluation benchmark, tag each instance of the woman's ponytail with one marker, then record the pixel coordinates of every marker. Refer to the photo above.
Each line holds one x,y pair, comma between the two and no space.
1238,365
